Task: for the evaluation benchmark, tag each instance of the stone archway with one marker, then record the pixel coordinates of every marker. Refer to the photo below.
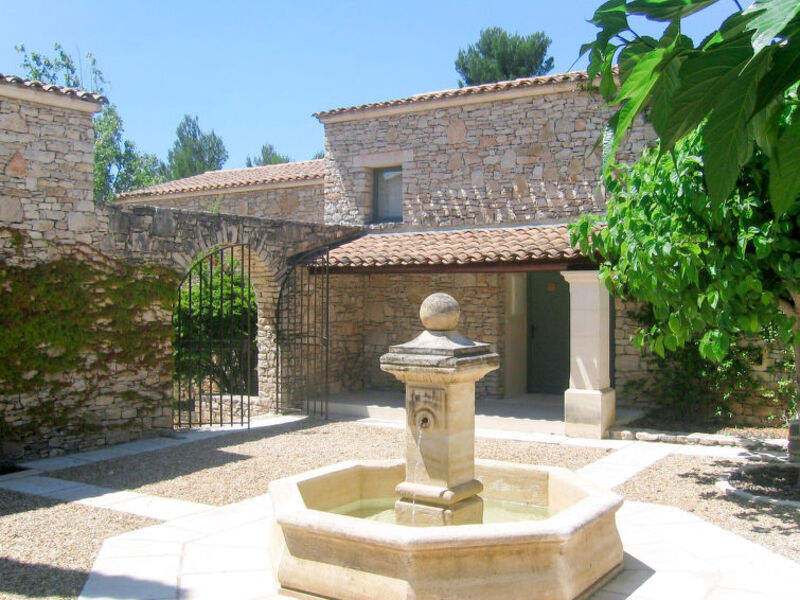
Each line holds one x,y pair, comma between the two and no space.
173,238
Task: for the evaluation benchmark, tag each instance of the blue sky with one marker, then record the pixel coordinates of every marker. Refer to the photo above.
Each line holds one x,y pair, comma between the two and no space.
254,72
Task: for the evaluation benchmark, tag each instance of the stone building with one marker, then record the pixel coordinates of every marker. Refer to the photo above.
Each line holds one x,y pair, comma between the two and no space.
465,191
87,291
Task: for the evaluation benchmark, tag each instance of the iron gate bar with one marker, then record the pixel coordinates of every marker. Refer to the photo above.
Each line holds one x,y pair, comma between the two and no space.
209,352
302,375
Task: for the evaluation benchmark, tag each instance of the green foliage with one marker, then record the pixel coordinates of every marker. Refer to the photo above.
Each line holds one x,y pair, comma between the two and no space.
268,156
194,151
736,81
692,388
118,166
718,269
498,56
68,317
215,326
319,154
61,69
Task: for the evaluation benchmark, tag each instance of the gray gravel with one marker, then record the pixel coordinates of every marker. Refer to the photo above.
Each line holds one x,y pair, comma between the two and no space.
688,483
47,548
238,466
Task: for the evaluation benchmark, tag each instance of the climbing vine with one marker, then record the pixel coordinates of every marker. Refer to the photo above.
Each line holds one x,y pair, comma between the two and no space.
70,327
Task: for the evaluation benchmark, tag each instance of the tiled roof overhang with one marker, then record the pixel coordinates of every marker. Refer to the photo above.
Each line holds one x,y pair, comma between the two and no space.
528,248
57,90
526,85
301,172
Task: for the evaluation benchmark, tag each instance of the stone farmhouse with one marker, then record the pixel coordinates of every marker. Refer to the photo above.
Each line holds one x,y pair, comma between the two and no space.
466,191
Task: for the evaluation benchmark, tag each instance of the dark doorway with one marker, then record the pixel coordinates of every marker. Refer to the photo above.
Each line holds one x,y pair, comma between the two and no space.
548,333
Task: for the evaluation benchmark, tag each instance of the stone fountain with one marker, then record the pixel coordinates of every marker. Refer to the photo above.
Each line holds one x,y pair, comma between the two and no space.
442,525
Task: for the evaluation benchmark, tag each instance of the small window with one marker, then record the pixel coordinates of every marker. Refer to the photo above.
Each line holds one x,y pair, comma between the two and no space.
387,194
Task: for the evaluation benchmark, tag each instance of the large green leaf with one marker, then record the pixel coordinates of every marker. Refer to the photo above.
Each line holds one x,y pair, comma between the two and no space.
764,125
667,10
784,177
784,72
611,15
728,135
704,78
631,54
769,19
635,92
663,95
612,19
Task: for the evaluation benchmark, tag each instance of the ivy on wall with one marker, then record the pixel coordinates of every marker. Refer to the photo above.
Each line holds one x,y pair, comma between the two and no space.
72,326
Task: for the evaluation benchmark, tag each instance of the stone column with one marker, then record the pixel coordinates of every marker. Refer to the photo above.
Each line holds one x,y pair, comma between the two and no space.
440,368
589,403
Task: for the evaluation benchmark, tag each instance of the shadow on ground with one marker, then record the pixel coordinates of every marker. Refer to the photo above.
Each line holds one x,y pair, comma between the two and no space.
788,518
228,468
39,580
45,581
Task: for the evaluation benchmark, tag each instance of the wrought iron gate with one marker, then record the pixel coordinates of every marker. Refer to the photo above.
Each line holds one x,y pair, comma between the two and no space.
302,334
215,351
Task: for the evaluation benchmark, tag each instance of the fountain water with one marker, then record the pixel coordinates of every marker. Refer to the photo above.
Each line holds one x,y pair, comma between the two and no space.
325,546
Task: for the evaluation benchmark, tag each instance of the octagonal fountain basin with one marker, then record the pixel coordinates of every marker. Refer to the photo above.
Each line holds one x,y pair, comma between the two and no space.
547,534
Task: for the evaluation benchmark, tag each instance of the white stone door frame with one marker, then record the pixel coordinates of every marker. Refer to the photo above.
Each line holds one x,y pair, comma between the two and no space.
589,403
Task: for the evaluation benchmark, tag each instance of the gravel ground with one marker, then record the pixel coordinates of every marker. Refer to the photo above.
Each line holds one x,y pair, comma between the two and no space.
665,421
688,483
771,480
234,467
47,548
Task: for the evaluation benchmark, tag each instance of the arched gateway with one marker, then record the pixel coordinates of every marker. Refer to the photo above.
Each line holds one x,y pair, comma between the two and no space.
269,257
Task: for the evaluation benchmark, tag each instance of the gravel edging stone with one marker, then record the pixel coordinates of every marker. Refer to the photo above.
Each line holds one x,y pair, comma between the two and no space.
701,439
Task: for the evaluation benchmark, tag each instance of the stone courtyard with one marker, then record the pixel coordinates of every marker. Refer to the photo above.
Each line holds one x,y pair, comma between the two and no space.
196,514
112,502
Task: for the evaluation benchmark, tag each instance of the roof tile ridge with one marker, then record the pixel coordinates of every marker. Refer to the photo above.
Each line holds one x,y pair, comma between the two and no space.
53,88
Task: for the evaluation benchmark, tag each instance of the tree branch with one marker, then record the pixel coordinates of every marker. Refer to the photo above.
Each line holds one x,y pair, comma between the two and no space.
786,307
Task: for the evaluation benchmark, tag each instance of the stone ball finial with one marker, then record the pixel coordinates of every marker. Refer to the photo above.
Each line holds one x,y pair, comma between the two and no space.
439,312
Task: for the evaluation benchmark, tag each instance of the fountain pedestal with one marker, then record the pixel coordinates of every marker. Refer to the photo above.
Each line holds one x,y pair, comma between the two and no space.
325,545
440,367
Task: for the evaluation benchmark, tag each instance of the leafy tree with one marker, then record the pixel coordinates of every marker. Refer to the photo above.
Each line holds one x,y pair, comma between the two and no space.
61,69
498,56
194,151
717,269
319,154
735,79
269,156
118,166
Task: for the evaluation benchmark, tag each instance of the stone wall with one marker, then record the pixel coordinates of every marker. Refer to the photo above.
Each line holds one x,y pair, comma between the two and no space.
68,383
387,313
174,237
637,374
303,203
116,270
527,159
631,365
348,296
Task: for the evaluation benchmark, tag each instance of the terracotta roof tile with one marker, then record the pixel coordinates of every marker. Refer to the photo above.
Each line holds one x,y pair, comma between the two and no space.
53,89
235,178
456,247
525,82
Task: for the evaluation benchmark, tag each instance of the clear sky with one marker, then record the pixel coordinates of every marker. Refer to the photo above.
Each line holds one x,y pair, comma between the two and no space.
254,72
